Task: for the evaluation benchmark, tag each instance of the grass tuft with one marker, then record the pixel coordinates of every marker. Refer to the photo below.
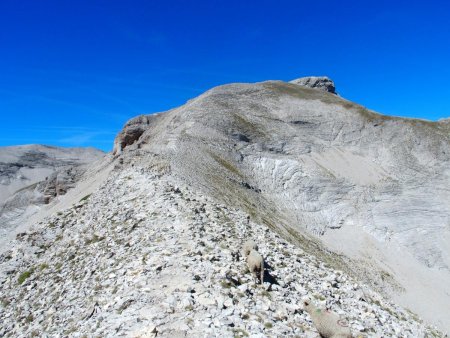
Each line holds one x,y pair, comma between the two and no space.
85,197
24,275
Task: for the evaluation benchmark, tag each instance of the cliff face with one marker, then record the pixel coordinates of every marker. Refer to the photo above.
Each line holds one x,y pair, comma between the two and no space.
334,194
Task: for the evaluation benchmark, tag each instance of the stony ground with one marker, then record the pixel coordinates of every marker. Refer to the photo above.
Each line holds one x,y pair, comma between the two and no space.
143,257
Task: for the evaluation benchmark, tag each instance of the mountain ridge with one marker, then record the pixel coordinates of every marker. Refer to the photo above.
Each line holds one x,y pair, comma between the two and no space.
33,175
327,122
298,168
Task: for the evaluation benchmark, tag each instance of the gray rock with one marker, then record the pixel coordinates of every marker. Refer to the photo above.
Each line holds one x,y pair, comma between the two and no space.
317,82
33,175
132,131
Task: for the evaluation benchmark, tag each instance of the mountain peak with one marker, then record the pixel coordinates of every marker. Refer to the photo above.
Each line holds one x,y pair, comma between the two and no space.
318,82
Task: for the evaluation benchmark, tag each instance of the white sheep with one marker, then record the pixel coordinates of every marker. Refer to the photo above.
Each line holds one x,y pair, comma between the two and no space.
255,264
328,323
249,246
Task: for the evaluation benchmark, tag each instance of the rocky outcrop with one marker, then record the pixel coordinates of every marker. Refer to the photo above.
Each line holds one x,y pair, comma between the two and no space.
317,82
59,182
131,132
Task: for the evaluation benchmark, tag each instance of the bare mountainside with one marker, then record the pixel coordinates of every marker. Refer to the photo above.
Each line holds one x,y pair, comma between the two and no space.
349,208
32,175
299,160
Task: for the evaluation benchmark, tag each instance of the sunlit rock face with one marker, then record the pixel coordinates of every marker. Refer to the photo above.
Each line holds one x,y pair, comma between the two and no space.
373,187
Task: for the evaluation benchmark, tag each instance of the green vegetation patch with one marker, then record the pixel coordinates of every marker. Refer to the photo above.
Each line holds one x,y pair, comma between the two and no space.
226,164
24,275
5,301
225,284
245,126
85,197
43,266
29,318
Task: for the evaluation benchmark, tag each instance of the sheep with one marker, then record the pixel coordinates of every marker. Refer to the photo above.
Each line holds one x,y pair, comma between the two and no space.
329,324
255,264
249,246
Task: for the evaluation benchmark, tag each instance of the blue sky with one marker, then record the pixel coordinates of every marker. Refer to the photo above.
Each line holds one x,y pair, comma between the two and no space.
73,72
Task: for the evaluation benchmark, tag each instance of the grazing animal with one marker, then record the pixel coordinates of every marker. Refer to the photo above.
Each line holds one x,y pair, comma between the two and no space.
249,246
328,323
255,264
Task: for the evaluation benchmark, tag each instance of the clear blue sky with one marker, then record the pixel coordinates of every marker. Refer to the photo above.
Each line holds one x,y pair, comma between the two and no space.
73,72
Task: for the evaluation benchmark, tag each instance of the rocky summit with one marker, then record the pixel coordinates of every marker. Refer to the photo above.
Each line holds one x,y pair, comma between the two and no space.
349,208
319,82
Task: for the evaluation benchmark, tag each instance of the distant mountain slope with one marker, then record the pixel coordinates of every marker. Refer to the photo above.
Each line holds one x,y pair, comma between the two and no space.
31,175
21,166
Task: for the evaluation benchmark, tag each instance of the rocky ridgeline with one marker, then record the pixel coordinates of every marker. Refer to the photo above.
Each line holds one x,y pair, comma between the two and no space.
144,257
